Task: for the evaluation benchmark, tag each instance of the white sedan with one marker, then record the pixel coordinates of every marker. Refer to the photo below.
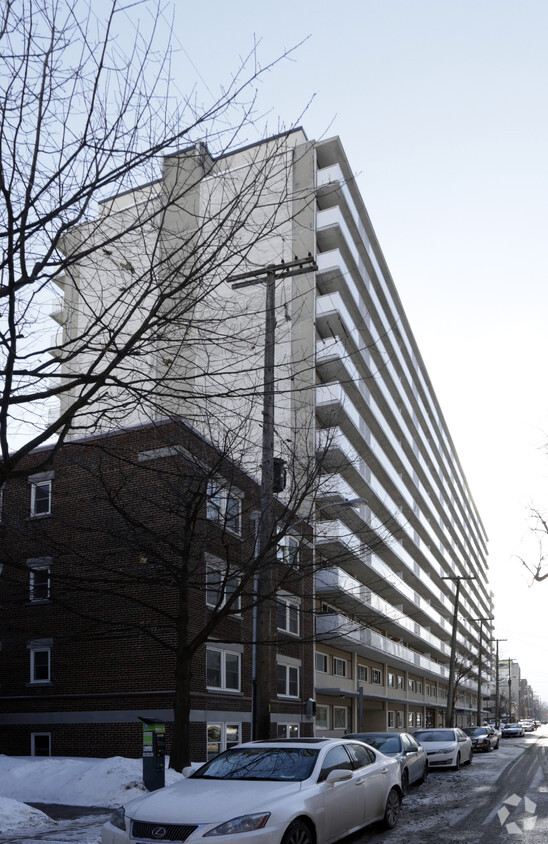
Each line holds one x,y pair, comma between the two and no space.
300,791
446,747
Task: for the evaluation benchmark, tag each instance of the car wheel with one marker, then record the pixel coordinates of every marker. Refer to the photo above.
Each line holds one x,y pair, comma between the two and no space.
496,747
469,762
424,774
298,832
392,810
405,782
456,766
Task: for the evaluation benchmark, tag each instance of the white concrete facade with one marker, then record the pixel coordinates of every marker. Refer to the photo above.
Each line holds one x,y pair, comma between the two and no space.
351,384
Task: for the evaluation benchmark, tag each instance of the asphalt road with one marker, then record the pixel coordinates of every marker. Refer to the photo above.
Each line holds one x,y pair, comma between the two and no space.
502,796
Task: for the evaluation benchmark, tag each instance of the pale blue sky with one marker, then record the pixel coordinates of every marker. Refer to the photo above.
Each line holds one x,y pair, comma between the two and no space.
442,108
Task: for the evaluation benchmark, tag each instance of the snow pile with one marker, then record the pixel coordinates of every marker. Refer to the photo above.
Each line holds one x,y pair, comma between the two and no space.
73,782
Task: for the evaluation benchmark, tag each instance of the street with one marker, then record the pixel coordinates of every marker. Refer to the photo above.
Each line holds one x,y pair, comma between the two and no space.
503,794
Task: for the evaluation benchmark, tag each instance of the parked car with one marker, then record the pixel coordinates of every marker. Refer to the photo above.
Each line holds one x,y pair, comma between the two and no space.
412,758
300,791
511,730
528,725
446,746
483,738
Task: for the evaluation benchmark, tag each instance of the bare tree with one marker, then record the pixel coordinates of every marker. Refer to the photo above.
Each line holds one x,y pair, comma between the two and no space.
87,115
539,526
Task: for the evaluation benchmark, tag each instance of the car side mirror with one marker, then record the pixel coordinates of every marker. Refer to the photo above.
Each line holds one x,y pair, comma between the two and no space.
338,775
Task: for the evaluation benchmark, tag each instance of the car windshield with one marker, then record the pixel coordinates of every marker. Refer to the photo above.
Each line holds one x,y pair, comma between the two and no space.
474,731
261,763
386,744
435,735
512,727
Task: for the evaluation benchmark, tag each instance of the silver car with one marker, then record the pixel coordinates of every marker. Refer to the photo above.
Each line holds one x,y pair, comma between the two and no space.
301,791
447,747
412,758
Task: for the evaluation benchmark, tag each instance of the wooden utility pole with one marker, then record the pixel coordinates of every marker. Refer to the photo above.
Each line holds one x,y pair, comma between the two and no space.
263,637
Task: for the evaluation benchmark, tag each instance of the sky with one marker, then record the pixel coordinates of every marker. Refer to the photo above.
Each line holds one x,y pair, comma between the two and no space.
441,106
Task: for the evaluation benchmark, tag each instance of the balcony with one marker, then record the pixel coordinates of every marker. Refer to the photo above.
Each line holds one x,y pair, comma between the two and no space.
339,630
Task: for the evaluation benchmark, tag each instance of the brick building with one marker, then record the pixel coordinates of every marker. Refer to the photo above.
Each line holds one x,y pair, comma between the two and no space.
131,546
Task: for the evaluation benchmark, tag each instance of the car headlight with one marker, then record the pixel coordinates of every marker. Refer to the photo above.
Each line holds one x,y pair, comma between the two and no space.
245,823
118,818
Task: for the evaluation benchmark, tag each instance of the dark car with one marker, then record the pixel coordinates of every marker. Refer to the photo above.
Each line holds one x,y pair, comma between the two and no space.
483,738
511,730
403,747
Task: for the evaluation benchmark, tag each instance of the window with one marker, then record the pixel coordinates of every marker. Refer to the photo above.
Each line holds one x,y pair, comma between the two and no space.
340,717
391,718
288,614
40,744
419,687
401,682
287,731
222,737
224,505
223,669
288,680
221,588
399,720
335,759
40,661
418,719
411,685
321,662
362,673
40,498
391,680
377,677
322,721
288,550
39,578
411,720
339,667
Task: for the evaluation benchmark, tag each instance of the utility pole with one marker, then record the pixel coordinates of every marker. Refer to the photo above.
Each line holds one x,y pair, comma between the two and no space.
497,688
262,681
480,666
450,710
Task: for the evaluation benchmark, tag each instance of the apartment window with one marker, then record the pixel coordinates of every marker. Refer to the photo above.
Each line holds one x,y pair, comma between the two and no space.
40,744
321,662
411,720
288,679
288,551
401,682
418,719
223,669
340,717
40,498
221,588
376,676
339,667
391,680
419,687
40,660
224,505
362,673
39,578
287,731
399,720
391,721
222,737
411,685
288,614
322,720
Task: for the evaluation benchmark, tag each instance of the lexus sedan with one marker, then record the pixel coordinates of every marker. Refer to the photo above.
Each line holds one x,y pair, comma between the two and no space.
403,747
446,747
483,738
300,791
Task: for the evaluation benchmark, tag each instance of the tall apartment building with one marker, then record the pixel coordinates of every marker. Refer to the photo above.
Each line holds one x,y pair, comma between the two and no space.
351,386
